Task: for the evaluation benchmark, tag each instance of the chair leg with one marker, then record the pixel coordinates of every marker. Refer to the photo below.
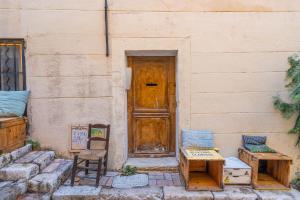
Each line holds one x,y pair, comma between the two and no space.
98,172
105,165
74,170
86,171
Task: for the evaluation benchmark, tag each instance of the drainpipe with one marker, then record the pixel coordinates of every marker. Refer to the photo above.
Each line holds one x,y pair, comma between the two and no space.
106,28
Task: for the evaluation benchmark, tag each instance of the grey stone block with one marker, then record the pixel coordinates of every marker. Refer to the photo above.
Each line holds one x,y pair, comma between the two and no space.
18,153
5,183
18,171
235,193
137,180
179,193
147,193
77,193
14,190
5,159
51,177
35,196
275,195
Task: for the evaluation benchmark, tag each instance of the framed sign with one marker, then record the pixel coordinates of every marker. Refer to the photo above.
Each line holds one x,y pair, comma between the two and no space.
98,132
78,137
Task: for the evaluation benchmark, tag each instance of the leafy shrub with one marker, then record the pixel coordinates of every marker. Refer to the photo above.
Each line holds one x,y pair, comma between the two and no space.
128,170
35,144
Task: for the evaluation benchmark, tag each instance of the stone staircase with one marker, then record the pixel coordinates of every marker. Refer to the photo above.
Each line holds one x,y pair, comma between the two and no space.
27,174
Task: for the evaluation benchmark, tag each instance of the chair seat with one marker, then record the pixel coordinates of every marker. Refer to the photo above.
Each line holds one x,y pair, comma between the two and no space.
92,154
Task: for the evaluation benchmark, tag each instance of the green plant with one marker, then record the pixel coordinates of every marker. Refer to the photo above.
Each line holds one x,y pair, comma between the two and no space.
35,144
288,109
296,182
128,170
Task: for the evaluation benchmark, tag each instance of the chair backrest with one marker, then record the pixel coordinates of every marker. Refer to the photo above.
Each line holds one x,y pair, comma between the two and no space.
98,132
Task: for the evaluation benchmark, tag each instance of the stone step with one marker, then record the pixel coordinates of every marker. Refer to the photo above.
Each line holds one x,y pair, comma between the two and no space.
35,196
77,193
5,159
18,153
235,193
12,190
165,164
41,158
180,193
18,171
51,177
144,193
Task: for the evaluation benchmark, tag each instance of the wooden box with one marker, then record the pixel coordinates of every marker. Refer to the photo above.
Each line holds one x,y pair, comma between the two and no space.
270,171
12,133
236,172
201,169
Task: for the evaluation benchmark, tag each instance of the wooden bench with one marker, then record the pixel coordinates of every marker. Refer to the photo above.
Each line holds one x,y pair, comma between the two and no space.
270,171
202,169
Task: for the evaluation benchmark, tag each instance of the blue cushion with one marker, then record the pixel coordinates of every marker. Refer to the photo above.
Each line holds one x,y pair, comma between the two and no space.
13,103
197,139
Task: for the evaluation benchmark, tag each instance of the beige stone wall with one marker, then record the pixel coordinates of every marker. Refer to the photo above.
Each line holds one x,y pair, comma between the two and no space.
232,58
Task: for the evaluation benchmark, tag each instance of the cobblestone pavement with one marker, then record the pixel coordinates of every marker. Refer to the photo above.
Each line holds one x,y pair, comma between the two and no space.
155,179
164,179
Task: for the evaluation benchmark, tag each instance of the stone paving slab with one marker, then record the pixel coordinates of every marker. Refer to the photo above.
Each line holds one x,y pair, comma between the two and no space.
18,153
277,195
41,158
125,182
18,171
5,159
235,193
179,193
51,177
35,196
13,190
77,193
145,193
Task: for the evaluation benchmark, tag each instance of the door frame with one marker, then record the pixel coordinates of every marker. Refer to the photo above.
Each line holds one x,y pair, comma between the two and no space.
172,132
123,46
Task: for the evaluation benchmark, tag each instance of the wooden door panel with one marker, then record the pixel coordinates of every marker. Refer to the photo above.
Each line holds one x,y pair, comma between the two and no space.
152,134
151,87
152,106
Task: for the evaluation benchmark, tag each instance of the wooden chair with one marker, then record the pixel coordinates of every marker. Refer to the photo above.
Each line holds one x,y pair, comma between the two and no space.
93,156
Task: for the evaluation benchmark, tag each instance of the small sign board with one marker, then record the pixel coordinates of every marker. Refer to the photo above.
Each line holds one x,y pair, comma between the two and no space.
78,137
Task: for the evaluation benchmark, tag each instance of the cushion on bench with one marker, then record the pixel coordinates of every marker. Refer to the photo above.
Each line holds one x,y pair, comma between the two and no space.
197,139
13,103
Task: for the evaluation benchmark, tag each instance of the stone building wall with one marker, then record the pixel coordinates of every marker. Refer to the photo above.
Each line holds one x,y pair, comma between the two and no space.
232,58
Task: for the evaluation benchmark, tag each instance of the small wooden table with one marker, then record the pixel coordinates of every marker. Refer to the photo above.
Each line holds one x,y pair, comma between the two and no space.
276,172
12,133
202,169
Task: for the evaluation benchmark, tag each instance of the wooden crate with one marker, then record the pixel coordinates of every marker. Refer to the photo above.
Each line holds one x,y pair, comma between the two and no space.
236,172
12,133
203,171
270,171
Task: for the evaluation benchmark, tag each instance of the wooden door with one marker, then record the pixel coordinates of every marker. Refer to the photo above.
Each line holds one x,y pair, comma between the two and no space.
152,107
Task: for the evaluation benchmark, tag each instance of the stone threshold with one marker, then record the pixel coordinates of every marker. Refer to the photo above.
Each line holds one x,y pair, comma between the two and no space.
164,164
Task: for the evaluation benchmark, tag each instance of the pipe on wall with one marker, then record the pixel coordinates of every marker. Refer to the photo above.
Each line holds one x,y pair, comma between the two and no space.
106,27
